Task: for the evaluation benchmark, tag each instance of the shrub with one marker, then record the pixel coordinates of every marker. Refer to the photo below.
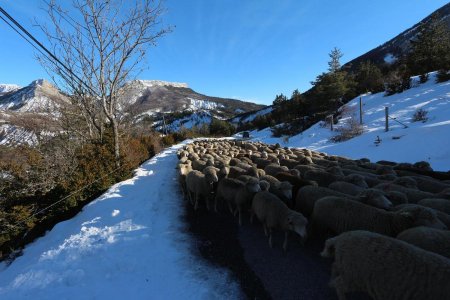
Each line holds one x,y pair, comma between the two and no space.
221,128
420,115
349,130
443,75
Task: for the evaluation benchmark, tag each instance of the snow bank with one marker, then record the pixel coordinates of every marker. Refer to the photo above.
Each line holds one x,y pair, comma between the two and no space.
429,141
128,244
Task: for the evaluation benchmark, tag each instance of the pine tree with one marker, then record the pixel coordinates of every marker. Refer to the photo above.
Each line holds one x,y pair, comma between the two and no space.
431,49
369,78
334,64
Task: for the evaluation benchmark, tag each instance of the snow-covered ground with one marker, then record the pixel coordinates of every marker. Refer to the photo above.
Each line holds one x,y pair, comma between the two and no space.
429,141
252,116
130,243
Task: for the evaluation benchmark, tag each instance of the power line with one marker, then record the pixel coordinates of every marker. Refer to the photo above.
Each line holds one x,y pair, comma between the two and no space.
44,48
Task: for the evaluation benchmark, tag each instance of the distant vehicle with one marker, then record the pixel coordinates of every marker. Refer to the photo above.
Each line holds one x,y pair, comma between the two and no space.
245,135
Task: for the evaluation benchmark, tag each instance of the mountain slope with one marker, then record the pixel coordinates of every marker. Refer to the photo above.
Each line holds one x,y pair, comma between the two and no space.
130,243
399,45
150,97
427,141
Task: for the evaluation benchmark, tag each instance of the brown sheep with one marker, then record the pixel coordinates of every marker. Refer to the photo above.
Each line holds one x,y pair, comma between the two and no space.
226,192
244,196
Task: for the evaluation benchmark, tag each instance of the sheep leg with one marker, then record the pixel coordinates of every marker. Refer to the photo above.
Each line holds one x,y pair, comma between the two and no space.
340,287
240,218
285,243
265,229
270,238
196,201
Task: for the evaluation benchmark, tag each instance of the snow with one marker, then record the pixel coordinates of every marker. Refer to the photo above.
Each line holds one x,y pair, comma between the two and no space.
427,141
251,117
6,88
195,119
196,104
390,58
154,83
130,243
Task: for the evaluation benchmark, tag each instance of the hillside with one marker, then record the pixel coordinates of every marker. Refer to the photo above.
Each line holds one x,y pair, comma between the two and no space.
396,47
426,141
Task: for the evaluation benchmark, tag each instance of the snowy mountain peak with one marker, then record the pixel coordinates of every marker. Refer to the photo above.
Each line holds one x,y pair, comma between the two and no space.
154,83
6,88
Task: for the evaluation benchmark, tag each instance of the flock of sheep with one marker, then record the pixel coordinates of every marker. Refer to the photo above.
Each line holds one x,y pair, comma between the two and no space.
389,221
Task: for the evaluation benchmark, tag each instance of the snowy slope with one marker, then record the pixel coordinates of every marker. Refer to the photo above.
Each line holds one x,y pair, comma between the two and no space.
128,244
6,88
429,141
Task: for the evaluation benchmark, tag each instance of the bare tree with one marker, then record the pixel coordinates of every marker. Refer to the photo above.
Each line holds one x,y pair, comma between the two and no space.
102,45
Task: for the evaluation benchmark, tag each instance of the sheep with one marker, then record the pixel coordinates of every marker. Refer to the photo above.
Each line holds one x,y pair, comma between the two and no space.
346,188
340,214
183,170
264,185
226,192
430,239
296,181
385,268
406,181
374,198
274,214
235,172
436,203
272,180
431,185
201,185
283,190
307,196
423,165
356,179
396,197
321,177
244,196
443,217
273,169
413,196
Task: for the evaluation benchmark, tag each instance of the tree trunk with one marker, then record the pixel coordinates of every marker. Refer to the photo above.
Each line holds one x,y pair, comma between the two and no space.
116,141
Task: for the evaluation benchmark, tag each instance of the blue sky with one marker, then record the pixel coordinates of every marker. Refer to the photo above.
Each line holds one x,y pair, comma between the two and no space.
246,49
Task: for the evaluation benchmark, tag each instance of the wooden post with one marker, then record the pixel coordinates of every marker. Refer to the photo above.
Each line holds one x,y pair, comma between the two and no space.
386,111
331,122
360,111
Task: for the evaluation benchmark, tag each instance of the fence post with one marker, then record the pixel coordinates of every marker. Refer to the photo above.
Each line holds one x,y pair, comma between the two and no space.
360,111
331,122
386,111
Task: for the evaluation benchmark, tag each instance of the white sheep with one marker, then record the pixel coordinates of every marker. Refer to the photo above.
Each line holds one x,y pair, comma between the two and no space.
430,239
386,268
274,214
339,215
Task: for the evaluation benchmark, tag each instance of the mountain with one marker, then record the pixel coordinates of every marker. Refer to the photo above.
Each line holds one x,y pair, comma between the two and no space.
40,96
395,48
152,97
8,88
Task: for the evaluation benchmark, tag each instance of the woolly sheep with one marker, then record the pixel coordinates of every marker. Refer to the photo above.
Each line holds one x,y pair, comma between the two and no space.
321,177
443,217
407,182
273,169
283,191
307,196
430,239
274,214
200,185
438,204
183,170
428,184
346,188
386,268
296,182
396,197
356,179
374,198
272,180
244,196
340,215
264,185
413,196
226,192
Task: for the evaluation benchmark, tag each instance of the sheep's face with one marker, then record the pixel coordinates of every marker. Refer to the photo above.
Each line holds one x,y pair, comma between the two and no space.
265,185
211,178
422,216
297,222
286,189
253,185
376,199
